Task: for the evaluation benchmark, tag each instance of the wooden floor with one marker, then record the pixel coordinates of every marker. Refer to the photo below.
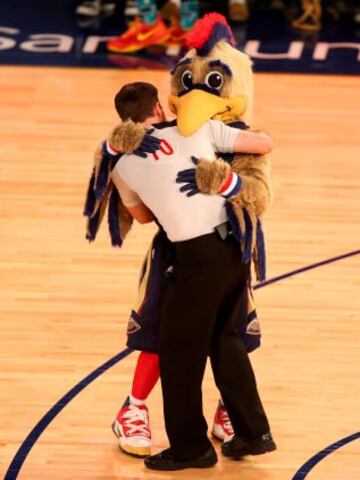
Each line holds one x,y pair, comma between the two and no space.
65,303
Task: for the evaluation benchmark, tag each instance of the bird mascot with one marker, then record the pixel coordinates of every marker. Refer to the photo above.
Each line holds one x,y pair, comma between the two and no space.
213,81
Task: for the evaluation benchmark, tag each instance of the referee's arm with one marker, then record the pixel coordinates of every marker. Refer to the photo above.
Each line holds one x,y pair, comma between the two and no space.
253,142
229,139
132,201
141,213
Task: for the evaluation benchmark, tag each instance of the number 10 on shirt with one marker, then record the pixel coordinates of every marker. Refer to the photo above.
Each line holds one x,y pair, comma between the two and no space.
165,148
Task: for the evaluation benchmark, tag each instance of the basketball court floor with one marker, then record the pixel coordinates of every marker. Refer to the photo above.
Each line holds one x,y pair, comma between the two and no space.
65,303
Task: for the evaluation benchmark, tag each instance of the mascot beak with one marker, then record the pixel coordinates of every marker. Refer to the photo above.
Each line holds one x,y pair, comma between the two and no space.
197,107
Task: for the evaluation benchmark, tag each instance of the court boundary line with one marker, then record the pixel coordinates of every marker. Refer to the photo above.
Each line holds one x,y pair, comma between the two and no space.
26,446
312,266
310,464
24,449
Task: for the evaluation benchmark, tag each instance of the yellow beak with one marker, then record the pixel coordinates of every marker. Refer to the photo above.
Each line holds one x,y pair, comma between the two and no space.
195,108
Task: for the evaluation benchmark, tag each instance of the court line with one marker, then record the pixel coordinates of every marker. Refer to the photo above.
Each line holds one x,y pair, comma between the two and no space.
305,269
310,464
40,427
24,449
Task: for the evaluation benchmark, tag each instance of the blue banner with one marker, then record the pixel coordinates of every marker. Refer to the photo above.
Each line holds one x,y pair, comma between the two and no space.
49,33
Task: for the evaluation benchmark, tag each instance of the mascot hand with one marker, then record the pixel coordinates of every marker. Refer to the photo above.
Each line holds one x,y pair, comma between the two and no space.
149,144
130,137
214,178
188,177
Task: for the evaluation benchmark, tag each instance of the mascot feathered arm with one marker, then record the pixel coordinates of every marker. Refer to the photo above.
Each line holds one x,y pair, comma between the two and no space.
127,137
246,185
255,192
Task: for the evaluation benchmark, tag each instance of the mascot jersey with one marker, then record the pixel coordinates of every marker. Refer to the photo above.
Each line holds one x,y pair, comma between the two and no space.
153,179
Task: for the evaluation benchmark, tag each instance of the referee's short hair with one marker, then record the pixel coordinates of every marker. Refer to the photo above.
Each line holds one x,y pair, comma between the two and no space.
136,101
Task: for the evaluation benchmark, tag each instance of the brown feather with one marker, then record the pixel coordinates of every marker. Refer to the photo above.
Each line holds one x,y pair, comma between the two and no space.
256,193
97,159
211,175
125,219
126,137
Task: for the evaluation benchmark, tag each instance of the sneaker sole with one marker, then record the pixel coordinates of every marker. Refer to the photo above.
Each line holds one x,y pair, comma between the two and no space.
137,452
173,50
135,48
216,437
110,48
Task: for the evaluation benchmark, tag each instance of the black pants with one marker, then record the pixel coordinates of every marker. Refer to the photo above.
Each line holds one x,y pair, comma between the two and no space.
198,318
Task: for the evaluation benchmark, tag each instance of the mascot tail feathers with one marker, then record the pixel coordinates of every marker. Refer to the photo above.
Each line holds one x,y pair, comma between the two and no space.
102,195
113,219
90,202
248,231
260,257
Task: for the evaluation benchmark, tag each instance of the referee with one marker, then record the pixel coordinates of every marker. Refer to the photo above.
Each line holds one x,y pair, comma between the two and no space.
202,301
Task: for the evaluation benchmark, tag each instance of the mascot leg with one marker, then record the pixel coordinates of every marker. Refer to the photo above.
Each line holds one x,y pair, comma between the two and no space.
238,10
310,19
132,422
132,425
189,13
147,373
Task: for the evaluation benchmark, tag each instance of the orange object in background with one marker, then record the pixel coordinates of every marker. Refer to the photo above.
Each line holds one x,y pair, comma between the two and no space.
140,35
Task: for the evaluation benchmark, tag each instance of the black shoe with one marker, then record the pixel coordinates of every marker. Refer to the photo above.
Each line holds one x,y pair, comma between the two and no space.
165,461
237,447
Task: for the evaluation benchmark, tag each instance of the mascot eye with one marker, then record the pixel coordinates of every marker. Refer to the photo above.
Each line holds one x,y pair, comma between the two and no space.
214,80
186,79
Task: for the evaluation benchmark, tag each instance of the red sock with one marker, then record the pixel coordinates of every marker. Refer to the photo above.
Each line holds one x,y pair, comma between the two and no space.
146,375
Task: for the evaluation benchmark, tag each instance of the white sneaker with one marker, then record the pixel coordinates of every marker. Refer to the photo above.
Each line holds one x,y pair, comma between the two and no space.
222,428
89,8
132,428
108,8
131,8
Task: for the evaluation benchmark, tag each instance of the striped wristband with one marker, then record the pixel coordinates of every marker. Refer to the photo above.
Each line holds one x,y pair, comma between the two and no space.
110,150
232,186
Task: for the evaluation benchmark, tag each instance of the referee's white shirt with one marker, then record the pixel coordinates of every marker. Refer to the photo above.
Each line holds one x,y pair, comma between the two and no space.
151,180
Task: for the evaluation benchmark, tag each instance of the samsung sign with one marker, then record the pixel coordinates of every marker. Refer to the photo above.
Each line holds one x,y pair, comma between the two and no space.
47,42
289,53
296,49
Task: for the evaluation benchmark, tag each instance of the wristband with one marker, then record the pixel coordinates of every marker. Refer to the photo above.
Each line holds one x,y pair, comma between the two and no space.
232,186
111,150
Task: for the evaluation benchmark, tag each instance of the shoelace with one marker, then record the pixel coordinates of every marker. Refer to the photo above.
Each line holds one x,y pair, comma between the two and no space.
135,414
224,417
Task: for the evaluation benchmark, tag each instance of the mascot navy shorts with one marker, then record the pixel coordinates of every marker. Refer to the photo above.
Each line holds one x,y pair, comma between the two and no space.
143,325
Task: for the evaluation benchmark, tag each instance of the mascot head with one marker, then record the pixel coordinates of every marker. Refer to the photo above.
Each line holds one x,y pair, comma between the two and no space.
214,80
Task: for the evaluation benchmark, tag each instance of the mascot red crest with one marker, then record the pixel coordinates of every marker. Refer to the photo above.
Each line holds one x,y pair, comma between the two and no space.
208,31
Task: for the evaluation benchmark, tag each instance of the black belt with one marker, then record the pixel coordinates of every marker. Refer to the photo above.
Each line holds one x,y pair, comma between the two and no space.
224,230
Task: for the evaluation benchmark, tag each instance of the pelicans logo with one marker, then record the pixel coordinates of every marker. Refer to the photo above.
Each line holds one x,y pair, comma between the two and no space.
253,327
132,326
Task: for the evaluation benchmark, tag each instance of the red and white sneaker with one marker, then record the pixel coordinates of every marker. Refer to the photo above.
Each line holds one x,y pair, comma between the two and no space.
222,428
133,430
